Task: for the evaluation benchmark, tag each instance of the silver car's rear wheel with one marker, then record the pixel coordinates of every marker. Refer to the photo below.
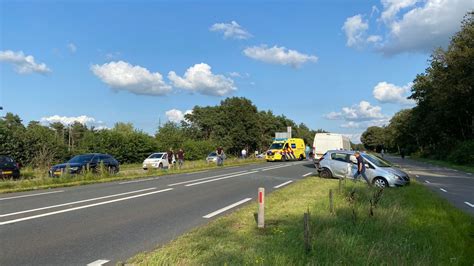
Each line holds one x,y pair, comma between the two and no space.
380,182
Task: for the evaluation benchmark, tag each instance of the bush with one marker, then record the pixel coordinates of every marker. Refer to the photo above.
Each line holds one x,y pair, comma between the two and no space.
463,153
197,149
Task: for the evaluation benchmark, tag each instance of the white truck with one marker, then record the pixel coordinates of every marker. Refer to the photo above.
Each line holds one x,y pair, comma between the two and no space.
324,142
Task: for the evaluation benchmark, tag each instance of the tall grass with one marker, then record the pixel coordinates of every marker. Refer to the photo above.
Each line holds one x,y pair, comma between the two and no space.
409,226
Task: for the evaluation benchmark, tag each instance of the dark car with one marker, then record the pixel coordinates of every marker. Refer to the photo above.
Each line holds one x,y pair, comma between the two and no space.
8,167
86,162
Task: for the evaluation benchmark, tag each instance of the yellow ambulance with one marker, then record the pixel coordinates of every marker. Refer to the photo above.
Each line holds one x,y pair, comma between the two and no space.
286,150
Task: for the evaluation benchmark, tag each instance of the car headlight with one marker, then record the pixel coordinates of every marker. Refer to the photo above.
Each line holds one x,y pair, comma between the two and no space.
75,168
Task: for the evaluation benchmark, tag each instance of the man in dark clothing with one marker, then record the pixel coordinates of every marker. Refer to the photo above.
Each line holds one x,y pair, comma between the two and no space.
360,168
180,158
170,158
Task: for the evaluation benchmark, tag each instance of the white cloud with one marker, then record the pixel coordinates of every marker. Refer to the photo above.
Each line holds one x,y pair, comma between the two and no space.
362,111
175,115
24,64
231,30
359,116
409,25
65,120
392,7
279,55
121,75
235,74
424,28
199,78
390,93
72,47
374,39
355,28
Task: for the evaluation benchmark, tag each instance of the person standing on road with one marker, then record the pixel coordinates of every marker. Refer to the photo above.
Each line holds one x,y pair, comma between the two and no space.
170,158
307,150
360,168
402,153
180,158
382,152
244,153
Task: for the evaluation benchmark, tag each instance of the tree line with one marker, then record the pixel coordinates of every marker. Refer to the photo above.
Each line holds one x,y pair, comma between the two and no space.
234,124
441,125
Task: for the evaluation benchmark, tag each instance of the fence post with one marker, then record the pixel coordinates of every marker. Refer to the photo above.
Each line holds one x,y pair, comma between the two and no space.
331,202
261,208
307,236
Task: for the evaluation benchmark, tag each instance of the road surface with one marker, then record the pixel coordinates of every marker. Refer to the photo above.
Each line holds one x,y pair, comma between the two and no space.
454,185
110,222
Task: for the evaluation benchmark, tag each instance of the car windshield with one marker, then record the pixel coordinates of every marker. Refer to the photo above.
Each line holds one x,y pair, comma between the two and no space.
276,146
377,161
156,156
212,154
81,158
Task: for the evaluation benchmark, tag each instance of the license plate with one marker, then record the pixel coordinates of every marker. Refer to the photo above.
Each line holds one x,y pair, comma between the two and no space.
7,172
57,173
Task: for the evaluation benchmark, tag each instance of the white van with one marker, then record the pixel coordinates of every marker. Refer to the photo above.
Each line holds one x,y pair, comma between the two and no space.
324,142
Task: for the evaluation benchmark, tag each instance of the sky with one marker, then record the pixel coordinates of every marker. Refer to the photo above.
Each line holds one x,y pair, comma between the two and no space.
339,65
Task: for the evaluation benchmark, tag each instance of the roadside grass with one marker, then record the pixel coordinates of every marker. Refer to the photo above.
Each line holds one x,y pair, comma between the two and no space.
33,179
465,168
410,226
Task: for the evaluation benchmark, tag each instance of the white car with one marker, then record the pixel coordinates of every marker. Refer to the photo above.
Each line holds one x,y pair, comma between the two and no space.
157,160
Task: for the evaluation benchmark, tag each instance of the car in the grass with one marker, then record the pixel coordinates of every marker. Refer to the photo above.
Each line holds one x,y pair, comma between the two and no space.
8,167
86,162
211,157
342,164
157,160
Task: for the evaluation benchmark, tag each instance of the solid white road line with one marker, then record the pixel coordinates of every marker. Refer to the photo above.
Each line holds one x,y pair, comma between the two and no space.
204,178
275,167
283,184
454,170
444,190
426,181
469,173
98,263
82,207
470,204
192,173
32,195
75,202
138,180
260,168
221,178
212,214
305,175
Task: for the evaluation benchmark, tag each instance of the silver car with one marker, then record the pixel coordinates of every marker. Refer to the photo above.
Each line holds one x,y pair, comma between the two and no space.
342,164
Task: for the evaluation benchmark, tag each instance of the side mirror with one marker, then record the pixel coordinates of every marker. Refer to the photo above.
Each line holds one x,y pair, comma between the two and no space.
367,165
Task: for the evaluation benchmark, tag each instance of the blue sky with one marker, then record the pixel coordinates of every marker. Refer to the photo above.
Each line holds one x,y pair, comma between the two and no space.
337,65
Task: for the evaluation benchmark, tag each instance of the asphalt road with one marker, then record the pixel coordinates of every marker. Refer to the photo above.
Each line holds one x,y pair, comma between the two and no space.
454,185
111,222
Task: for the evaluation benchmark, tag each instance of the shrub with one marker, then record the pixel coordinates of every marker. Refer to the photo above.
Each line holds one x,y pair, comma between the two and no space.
463,153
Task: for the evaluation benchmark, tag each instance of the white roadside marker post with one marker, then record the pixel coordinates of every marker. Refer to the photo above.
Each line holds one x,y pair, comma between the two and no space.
261,208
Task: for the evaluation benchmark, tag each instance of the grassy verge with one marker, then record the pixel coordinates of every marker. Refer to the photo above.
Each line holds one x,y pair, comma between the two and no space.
410,226
37,179
465,168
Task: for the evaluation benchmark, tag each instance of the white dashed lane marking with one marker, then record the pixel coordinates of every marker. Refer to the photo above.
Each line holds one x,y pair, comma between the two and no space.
469,204
98,263
444,190
283,184
427,182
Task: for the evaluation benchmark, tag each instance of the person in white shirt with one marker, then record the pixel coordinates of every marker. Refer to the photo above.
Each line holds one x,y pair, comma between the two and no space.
244,153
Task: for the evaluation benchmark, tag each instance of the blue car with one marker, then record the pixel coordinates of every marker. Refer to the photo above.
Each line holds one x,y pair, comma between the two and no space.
83,162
